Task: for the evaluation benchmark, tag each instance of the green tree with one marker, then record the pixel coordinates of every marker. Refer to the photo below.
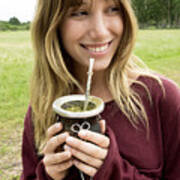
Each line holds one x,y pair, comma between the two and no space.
14,21
159,13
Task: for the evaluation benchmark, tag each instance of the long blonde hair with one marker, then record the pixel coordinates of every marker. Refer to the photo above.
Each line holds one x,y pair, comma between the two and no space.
52,78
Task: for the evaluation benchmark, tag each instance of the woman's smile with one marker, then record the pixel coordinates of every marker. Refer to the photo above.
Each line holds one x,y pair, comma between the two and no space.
97,49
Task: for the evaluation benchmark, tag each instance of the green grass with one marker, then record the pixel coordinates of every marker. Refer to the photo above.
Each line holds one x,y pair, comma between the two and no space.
16,66
160,49
15,69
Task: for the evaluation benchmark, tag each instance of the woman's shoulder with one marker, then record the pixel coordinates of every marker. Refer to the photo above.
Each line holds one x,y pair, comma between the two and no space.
163,88
157,81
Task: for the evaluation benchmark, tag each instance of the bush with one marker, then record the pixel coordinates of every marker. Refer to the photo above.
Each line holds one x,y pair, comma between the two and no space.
5,26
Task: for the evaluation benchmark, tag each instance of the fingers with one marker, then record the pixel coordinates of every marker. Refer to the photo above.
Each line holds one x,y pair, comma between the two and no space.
87,148
57,158
84,157
56,163
55,142
102,124
99,139
54,129
59,169
91,171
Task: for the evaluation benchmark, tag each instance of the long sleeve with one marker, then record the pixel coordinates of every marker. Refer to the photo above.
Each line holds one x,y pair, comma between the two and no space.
170,117
117,168
33,168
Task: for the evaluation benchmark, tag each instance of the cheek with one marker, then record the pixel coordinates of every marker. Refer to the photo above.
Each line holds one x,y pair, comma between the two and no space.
72,31
117,25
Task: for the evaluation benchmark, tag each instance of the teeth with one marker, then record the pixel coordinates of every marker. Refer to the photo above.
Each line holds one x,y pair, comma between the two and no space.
98,49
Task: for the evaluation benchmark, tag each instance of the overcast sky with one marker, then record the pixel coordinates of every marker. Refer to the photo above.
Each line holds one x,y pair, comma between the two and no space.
22,9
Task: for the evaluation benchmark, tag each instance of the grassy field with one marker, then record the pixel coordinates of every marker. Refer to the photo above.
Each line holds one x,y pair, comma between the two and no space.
160,49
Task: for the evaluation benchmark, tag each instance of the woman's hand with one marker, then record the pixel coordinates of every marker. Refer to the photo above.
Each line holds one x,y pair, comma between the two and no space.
56,163
89,156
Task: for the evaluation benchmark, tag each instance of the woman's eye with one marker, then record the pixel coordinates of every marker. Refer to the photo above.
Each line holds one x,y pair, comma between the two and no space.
79,13
113,10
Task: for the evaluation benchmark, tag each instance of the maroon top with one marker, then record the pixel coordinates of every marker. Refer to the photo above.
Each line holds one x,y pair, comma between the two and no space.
131,156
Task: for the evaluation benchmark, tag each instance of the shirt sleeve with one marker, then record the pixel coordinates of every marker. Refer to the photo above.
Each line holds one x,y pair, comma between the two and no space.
33,167
170,117
116,167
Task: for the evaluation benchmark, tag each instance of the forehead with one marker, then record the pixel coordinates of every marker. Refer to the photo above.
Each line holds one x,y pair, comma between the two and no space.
90,1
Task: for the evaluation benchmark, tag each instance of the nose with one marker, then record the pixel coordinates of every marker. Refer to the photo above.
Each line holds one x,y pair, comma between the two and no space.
98,29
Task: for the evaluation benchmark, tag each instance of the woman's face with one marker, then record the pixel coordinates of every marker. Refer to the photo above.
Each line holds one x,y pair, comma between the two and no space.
93,30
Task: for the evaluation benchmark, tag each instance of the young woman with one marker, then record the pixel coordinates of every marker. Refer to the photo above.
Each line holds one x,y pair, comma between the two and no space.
140,137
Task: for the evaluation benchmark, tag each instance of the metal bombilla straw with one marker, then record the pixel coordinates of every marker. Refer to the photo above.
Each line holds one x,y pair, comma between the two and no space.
88,87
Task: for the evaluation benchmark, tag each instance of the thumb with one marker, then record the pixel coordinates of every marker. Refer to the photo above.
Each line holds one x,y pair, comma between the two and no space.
102,124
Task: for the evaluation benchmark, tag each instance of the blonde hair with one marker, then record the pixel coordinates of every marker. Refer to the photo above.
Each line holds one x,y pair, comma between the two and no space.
52,78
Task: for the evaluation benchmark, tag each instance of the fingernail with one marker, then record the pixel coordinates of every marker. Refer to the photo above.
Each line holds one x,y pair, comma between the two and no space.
66,147
82,133
58,125
68,153
69,139
64,135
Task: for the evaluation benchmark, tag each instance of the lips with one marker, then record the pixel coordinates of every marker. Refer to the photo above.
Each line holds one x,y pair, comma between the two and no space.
96,48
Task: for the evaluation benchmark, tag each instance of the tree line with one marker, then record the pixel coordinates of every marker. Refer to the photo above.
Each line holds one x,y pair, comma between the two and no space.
157,13
13,25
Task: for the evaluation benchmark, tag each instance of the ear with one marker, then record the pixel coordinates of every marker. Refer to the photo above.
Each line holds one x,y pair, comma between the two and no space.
102,124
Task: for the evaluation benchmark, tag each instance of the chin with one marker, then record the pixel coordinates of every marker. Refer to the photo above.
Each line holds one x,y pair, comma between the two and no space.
103,67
